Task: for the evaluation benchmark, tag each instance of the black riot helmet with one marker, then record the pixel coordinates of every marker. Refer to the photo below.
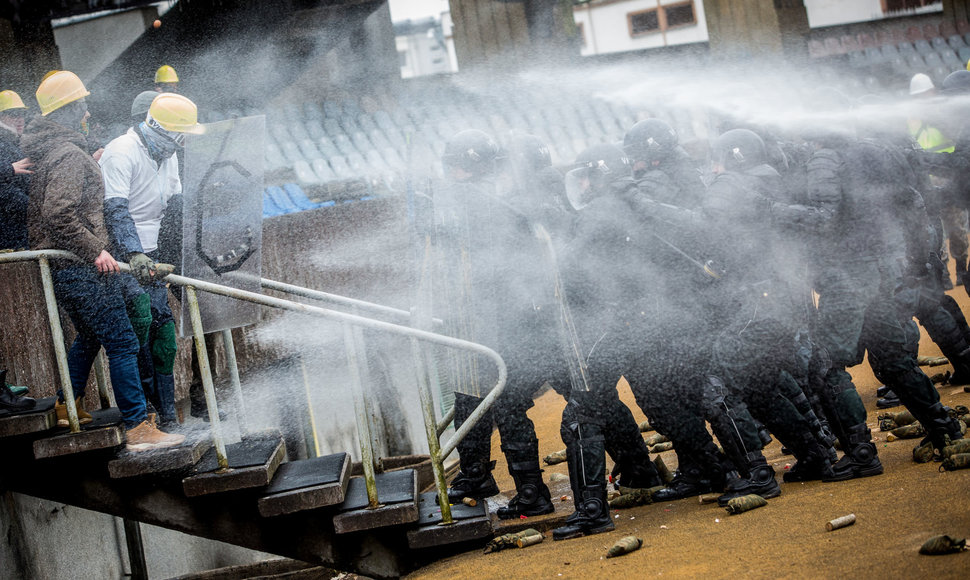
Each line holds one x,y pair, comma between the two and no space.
739,150
650,140
596,168
528,153
957,83
472,151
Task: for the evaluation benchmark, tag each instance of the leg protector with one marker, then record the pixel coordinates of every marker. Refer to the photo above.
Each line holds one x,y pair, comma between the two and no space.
164,348
586,457
860,458
474,477
532,497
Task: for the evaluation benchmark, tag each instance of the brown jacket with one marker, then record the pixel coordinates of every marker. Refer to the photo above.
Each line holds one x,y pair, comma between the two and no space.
66,208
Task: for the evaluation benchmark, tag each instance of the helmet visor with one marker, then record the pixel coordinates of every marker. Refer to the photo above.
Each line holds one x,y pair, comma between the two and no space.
579,188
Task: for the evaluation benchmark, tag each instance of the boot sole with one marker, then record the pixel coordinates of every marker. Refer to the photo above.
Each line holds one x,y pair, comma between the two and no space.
856,474
589,532
137,447
65,423
516,515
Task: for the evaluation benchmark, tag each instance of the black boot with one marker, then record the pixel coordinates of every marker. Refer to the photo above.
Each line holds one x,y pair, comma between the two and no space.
941,429
586,457
860,458
888,400
689,480
633,468
760,481
474,478
812,460
532,497
11,403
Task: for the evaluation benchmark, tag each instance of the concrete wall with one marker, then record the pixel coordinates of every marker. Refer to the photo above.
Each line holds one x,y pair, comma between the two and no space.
87,47
47,540
606,30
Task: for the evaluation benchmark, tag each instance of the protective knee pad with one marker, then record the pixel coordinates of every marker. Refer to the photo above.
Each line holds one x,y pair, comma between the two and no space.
140,315
164,348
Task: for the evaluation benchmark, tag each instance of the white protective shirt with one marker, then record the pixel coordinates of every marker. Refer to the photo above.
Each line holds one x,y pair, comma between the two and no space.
130,172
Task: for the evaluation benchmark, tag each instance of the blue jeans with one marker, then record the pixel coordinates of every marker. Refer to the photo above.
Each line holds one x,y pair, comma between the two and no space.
97,310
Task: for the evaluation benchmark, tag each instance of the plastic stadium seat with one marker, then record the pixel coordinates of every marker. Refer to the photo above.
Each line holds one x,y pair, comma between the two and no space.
889,52
396,138
933,60
394,160
309,150
349,124
269,207
314,129
874,56
378,140
366,123
592,128
922,46
850,43
291,152
298,197
939,43
343,144
304,174
323,170
931,30
833,46
357,164
913,33
275,159
280,133
884,37
384,120
298,131
905,48
956,42
376,162
361,142
280,199
866,40
312,111
951,60
331,110
340,167
332,127
327,148
915,61
858,59
816,48
964,54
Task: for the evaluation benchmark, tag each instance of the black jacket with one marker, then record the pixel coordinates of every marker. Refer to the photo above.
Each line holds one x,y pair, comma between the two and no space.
13,194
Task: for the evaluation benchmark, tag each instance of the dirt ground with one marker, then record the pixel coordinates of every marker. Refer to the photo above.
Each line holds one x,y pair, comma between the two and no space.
896,512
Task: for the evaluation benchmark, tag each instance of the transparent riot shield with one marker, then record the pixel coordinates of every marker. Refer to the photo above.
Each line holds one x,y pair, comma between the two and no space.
222,218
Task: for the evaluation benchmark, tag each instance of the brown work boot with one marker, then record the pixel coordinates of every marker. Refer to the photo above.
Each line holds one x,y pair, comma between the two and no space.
145,436
83,416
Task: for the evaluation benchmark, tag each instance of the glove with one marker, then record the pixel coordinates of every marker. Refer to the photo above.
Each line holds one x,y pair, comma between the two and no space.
142,268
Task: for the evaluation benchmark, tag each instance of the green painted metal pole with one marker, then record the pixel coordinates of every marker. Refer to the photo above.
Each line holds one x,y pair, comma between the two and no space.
204,368
363,425
104,394
431,430
60,351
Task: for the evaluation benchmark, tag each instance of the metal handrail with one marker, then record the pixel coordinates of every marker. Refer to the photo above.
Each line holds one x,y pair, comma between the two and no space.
346,320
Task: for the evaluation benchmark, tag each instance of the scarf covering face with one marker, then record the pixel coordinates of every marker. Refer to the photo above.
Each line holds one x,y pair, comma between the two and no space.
160,144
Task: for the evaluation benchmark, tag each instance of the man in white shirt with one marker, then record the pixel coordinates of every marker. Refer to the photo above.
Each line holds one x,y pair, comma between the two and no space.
141,178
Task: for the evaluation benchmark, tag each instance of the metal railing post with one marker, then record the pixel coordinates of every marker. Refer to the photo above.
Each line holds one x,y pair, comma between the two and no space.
431,431
206,371
234,377
104,394
363,425
309,405
60,351
369,403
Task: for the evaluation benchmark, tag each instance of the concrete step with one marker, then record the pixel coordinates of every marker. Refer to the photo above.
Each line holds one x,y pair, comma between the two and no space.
105,432
37,420
470,523
397,492
252,463
134,464
307,484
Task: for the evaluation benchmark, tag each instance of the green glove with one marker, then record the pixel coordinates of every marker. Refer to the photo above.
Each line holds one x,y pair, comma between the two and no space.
142,268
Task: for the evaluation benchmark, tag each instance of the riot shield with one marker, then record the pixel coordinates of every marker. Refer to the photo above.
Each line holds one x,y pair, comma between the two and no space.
222,218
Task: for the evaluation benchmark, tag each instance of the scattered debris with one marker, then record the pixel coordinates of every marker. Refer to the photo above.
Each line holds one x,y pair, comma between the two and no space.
708,498
924,453
624,545
656,439
646,427
555,458
661,447
745,503
841,522
665,474
911,431
564,498
957,447
957,461
558,477
940,378
938,545
932,361
634,498
527,537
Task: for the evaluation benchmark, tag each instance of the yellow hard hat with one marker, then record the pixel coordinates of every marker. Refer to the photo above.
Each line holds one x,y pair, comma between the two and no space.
166,74
58,89
176,113
10,100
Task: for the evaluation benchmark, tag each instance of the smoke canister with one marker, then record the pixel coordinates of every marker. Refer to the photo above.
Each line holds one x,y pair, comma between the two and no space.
745,503
841,522
624,545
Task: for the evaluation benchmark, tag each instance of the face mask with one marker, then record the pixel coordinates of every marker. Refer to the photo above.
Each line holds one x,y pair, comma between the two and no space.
160,146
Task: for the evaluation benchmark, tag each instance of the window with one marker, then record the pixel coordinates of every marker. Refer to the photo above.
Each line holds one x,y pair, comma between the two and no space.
661,19
644,22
